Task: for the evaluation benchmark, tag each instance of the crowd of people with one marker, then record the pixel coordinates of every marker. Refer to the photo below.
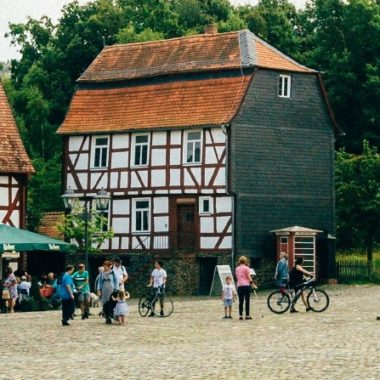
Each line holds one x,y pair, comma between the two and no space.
72,288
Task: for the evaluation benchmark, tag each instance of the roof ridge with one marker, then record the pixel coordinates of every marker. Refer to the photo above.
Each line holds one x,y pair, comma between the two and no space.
277,51
202,35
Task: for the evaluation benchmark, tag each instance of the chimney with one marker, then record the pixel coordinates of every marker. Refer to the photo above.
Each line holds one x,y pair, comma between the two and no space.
211,29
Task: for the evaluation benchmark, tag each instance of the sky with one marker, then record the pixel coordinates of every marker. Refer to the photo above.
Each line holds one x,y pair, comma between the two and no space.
16,11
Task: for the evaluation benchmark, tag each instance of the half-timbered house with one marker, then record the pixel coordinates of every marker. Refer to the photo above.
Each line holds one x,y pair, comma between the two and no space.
15,167
206,144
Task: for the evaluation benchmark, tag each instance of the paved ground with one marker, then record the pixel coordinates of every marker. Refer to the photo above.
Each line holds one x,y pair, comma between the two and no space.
195,343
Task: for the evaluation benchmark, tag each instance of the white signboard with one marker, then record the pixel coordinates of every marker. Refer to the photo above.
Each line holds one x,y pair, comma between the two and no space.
217,283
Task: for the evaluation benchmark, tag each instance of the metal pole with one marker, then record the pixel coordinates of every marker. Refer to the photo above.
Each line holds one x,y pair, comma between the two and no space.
86,217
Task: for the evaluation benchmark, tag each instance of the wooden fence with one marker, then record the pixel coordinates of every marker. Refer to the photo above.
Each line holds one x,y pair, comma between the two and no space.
352,270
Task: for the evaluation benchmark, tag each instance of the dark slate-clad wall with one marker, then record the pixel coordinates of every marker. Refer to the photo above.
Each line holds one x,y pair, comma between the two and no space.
282,159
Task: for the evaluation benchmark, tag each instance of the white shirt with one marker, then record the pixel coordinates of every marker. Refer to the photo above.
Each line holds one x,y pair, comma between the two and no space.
120,272
158,277
25,285
228,291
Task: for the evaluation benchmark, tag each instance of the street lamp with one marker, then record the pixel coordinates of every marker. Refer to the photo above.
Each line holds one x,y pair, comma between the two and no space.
70,201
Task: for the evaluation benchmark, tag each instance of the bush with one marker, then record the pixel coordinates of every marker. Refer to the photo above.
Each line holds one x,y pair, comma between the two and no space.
28,304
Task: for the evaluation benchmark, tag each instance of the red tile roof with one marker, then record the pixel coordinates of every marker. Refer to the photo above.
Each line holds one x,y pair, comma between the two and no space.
165,105
49,222
13,156
185,54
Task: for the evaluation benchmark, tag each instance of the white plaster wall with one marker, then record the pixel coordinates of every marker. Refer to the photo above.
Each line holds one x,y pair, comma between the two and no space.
207,225
158,178
226,243
223,204
159,138
210,156
120,225
208,242
83,179
82,163
175,177
70,182
3,196
121,206
75,143
124,242
161,205
4,179
158,157
175,156
102,183
120,160
161,223
221,222
175,137
120,141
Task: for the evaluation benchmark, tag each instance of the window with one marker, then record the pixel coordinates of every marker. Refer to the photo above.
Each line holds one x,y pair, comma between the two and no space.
205,205
141,145
284,244
100,152
305,246
193,147
141,215
101,217
284,85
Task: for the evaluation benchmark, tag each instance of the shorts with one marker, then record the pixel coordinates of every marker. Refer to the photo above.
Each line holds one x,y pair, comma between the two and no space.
282,283
227,302
84,297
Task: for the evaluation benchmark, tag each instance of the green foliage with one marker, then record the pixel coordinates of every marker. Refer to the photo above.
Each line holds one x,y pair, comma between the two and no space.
73,228
128,34
358,198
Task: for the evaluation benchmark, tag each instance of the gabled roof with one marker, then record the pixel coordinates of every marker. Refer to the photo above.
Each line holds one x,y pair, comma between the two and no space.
186,103
203,52
13,156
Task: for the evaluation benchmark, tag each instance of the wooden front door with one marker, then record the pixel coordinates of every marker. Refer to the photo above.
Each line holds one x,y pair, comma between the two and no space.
187,236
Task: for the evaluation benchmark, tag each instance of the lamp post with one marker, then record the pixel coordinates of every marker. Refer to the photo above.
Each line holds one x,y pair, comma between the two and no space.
70,200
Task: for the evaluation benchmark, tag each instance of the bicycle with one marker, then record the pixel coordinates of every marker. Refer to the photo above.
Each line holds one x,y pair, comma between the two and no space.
147,303
279,302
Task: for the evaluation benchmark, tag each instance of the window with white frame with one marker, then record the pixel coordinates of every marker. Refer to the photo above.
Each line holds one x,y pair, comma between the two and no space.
141,215
102,218
205,205
193,147
140,150
100,152
284,86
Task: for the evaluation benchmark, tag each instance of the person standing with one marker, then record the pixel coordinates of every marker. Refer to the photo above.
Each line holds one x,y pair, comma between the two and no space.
158,281
81,281
228,295
244,281
66,293
282,272
24,288
107,282
10,284
120,273
121,308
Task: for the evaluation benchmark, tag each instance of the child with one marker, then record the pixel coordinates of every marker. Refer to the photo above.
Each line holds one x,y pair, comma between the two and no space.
121,308
228,295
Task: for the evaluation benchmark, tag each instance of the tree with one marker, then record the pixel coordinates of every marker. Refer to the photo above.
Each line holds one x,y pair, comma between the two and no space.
73,228
358,199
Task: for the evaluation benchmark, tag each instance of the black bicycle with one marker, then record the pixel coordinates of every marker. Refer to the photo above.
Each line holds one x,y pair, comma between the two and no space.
317,299
151,303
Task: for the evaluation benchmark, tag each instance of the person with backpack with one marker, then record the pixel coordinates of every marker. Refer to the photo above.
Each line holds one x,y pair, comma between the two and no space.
107,282
66,293
296,282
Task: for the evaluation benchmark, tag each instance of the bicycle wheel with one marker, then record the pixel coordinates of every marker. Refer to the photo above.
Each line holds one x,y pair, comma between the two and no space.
144,306
168,307
318,300
278,302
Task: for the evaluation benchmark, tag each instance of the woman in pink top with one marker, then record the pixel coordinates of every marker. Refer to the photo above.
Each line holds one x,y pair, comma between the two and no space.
243,278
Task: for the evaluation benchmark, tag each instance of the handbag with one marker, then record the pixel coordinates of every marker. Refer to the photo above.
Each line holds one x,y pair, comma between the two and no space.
5,295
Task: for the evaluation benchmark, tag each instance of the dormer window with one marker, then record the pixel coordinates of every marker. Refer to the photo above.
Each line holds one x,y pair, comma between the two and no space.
284,86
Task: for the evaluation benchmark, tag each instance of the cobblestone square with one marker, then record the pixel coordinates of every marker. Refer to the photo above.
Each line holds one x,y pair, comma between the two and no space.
196,343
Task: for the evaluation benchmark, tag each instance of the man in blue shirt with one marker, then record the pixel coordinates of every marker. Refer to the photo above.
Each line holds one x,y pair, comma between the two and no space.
67,295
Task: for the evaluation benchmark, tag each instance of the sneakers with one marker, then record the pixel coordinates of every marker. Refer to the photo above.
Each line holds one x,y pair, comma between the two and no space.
241,318
308,308
65,323
293,310
225,317
151,315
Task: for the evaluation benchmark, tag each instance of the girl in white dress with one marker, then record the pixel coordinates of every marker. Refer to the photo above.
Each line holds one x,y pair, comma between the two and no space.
121,308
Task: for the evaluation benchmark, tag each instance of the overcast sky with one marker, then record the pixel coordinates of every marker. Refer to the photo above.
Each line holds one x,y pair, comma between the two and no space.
15,11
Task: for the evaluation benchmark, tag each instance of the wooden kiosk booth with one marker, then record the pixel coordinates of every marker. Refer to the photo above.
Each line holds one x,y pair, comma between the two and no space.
298,241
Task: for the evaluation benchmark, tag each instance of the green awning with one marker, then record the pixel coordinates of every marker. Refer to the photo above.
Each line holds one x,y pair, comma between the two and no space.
16,239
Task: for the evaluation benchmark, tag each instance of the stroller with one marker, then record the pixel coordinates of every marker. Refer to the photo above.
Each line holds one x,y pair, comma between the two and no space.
109,307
